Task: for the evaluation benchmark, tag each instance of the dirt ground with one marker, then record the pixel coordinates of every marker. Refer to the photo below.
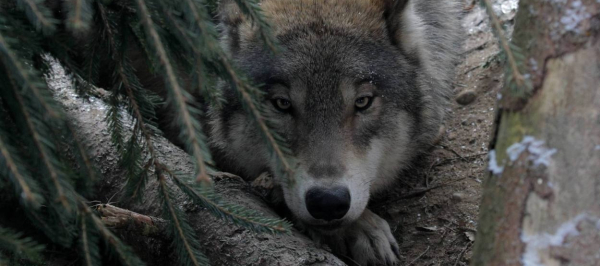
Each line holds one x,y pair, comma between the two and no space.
435,218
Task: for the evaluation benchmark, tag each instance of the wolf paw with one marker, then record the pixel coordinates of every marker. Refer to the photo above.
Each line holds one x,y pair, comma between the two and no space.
369,241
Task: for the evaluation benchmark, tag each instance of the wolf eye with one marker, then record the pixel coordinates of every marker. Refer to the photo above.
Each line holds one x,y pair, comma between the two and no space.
281,104
363,103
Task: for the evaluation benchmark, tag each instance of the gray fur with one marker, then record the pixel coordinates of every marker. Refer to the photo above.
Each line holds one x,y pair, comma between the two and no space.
333,53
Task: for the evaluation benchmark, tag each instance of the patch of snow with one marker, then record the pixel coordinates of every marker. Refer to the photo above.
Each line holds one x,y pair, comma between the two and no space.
509,6
535,243
515,150
539,154
505,9
493,164
574,15
533,64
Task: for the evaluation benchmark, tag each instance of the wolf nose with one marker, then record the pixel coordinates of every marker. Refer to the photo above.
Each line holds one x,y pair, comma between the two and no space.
328,204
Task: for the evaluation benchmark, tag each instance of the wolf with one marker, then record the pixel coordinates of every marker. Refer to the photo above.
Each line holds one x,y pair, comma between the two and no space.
358,90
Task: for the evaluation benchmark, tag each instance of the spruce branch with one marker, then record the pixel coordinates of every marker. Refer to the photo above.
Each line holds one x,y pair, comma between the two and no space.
26,187
236,214
83,155
80,14
271,138
191,133
42,148
114,118
185,242
136,174
252,9
46,222
38,15
194,42
208,38
19,245
27,79
89,243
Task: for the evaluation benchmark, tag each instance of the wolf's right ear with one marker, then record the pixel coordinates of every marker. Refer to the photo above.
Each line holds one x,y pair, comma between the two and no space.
230,17
404,26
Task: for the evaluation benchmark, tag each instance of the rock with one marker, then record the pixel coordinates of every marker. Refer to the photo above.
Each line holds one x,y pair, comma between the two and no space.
466,97
457,197
452,136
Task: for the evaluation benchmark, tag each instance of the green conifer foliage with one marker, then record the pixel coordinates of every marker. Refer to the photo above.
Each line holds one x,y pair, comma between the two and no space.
179,40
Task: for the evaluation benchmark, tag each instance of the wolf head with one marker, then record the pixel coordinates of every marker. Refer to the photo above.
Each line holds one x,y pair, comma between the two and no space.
358,90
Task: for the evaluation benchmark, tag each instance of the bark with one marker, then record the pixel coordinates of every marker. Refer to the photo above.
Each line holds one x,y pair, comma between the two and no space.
543,207
223,243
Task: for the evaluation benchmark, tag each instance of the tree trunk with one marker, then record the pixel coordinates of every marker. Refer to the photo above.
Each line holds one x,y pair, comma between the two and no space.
541,204
223,243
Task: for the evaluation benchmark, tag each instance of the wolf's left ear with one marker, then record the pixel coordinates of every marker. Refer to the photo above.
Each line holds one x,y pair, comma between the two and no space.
405,27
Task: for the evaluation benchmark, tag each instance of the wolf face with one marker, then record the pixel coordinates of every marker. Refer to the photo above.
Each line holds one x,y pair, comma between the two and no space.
357,91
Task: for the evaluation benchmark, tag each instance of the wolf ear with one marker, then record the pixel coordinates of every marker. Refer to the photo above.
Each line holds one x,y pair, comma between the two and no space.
230,17
404,25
